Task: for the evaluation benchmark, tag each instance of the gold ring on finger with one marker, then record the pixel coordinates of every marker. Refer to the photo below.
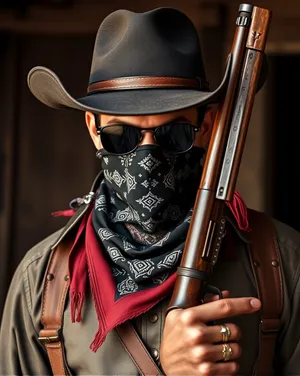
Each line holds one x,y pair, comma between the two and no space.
226,352
225,331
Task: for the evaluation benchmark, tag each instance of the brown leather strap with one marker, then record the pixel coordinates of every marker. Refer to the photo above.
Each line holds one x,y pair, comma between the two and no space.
53,304
266,264
137,350
147,83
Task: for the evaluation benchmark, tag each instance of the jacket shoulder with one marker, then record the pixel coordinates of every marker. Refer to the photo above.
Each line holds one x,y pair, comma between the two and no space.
39,252
288,239
29,276
287,236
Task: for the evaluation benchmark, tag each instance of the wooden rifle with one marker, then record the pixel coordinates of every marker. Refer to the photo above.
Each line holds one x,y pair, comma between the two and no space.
223,159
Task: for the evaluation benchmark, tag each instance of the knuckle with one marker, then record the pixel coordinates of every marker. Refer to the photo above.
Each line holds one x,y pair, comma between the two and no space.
172,316
237,350
187,317
233,368
226,307
206,369
236,332
199,354
195,336
201,335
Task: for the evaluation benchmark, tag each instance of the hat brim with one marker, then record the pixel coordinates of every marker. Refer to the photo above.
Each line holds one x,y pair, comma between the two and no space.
47,88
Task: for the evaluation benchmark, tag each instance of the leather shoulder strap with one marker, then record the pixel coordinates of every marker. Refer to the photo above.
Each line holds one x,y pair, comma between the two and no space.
266,264
54,296
137,350
53,303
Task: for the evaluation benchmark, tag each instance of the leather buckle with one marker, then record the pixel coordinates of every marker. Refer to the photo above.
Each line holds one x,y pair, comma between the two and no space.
49,335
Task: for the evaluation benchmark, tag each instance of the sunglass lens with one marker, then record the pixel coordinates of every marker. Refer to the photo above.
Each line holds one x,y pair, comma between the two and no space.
119,138
175,138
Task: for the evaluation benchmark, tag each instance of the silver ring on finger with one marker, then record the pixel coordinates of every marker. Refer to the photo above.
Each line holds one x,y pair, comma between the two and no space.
226,333
226,352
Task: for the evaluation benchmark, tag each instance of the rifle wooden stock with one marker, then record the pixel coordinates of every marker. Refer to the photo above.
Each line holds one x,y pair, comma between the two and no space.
223,159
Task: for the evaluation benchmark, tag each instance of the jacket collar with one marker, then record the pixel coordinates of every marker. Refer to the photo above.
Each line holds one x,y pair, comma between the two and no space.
82,204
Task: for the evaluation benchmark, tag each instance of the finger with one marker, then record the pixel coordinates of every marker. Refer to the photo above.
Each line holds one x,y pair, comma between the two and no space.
224,369
213,298
213,353
213,333
220,309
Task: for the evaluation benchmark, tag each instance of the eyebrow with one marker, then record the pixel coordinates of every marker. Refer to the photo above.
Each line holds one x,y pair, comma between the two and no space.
176,120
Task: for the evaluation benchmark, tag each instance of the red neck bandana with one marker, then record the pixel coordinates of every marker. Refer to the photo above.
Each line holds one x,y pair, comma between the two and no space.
87,265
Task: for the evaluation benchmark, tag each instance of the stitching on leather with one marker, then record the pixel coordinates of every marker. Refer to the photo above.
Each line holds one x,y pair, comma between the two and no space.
65,289
59,348
129,353
147,79
50,357
148,358
45,291
137,85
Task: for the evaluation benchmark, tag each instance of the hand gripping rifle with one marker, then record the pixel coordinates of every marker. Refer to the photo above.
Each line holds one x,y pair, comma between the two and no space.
223,159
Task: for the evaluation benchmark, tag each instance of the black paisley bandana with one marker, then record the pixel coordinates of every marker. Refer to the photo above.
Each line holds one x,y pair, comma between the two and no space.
142,213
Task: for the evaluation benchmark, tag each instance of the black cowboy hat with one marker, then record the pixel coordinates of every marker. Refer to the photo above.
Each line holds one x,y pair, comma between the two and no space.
143,63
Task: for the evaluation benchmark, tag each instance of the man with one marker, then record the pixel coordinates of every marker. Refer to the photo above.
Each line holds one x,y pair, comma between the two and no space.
147,114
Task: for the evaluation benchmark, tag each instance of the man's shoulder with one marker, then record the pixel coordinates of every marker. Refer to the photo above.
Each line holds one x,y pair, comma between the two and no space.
288,239
287,236
28,279
40,250
31,270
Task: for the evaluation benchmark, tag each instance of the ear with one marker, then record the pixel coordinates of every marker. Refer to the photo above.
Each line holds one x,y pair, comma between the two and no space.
90,122
207,126
203,137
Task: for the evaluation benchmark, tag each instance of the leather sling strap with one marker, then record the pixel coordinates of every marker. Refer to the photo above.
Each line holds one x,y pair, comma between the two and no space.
53,304
265,260
137,350
266,264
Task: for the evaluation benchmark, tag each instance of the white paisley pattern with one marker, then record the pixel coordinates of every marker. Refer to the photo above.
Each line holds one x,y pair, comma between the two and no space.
130,181
127,286
141,268
149,163
170,260
150,201
105,234
115,254
125,215
100,204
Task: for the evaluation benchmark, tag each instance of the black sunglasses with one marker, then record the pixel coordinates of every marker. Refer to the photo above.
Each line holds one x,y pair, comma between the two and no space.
174,138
